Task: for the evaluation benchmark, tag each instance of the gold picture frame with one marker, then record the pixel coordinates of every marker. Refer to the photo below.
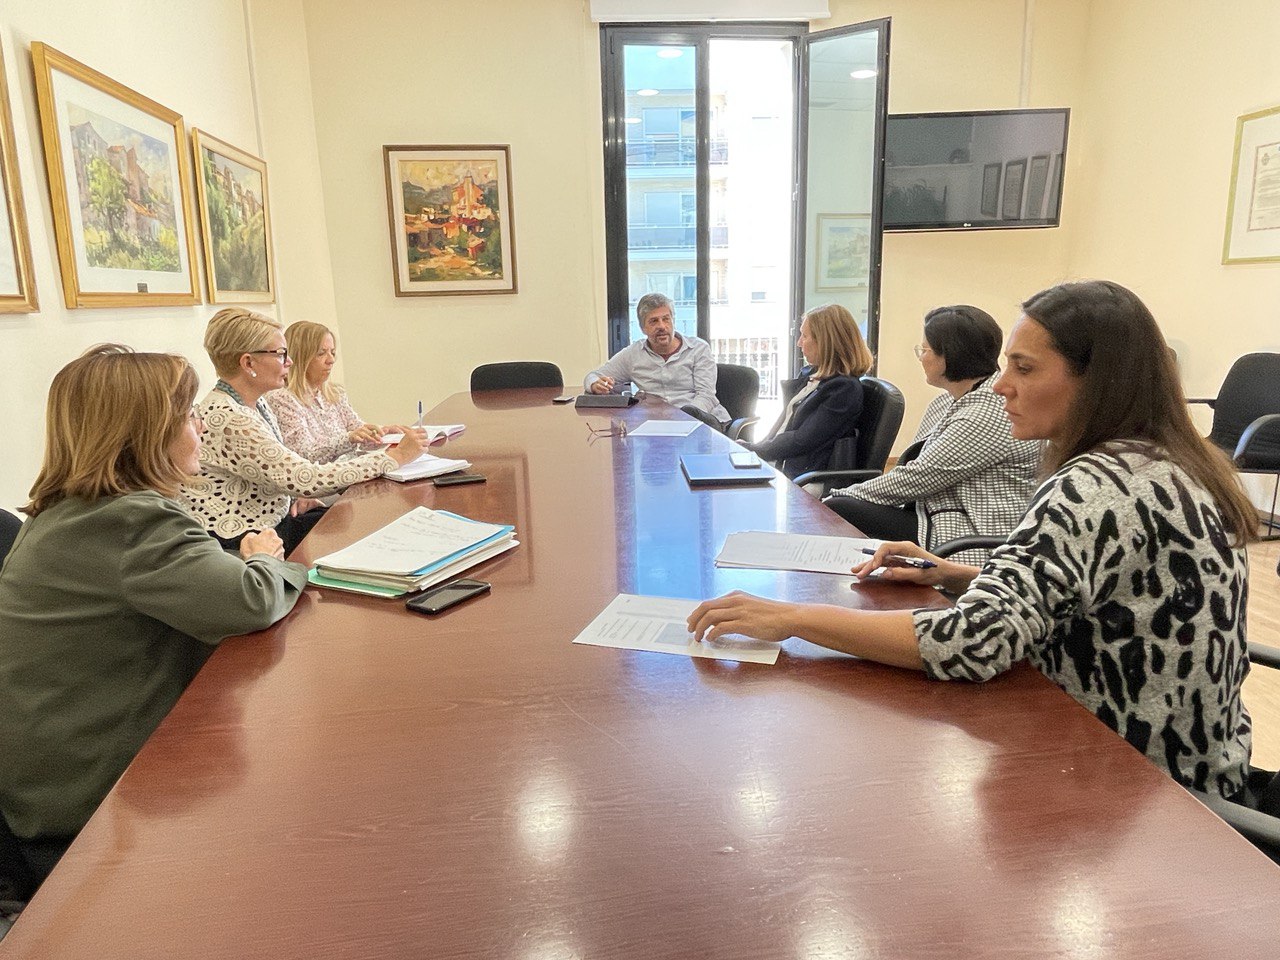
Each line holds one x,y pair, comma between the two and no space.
235,221
1253,205
17,279
119,182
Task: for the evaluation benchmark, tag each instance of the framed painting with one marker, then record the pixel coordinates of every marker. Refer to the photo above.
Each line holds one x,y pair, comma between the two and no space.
235,222
843,251
17,280
1253,205
1015,172
119,184
452,231
991,190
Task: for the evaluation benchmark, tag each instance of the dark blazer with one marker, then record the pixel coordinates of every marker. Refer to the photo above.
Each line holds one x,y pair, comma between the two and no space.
804,442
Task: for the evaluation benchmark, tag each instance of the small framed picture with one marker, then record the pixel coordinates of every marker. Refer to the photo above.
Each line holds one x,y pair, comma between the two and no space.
843,260
991,190
1011,202
235,222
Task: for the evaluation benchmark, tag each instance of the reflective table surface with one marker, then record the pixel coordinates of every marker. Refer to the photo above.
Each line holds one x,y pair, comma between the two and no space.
360,781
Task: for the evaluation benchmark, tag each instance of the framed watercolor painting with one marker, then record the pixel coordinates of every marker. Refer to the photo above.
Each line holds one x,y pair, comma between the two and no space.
119,183
235,222
17,281
844,251
451,219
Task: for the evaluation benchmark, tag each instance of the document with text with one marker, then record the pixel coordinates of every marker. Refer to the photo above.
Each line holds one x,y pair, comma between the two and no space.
659,625
761,550
664,428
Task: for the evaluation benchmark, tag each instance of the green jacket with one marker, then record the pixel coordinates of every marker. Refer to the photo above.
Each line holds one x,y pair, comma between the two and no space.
107,611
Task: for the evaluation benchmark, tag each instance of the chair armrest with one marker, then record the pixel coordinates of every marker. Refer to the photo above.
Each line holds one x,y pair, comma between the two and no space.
1262,655
832,478
1207,401
1260,829
1263,424
979,542
736,428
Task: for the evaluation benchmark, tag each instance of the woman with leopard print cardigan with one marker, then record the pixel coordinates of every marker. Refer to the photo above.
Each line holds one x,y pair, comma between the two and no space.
1125,582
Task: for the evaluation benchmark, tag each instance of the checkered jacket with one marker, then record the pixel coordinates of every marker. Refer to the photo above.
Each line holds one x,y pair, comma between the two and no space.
971,476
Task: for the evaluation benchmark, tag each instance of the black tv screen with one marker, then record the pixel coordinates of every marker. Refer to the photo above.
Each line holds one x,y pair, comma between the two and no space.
973,171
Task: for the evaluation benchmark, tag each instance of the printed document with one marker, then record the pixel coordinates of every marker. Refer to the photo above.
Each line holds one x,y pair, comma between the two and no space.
760,550
416,540
658,624
664,428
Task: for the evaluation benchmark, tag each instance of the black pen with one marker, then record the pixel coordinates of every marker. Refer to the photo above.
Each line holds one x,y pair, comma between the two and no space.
899,561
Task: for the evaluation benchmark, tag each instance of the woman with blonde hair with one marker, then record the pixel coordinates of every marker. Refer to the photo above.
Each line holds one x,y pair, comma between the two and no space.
316,418
249,480
1125,581
112,596
824,402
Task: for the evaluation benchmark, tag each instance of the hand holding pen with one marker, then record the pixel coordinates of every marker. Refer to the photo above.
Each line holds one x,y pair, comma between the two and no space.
898,560
910,563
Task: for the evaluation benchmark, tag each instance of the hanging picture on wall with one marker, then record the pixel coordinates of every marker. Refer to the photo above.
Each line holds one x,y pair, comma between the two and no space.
17,282
1037,183
1015,171
843,251
451,220
235,222
119,184
1253,206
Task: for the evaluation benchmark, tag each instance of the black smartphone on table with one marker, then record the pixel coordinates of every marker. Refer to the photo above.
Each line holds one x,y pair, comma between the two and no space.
441,598
457,479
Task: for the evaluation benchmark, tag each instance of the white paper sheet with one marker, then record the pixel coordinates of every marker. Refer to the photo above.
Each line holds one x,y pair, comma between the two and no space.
664,428
658,625
760,550
419,538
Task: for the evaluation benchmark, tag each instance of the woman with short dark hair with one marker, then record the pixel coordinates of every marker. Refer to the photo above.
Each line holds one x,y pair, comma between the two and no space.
971,476
1124,583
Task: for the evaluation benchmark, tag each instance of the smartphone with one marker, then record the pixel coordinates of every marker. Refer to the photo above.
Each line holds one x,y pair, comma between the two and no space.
455,479
562,399
744,460
441,598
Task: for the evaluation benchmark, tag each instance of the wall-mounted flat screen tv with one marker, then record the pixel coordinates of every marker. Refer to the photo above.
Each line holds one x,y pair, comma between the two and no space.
979,170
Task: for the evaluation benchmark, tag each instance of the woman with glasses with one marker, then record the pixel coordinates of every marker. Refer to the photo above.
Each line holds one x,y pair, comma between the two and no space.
971,476
112,596
1125,581
249,479
824,402
316,419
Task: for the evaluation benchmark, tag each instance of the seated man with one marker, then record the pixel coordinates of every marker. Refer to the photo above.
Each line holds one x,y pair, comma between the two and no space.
679,370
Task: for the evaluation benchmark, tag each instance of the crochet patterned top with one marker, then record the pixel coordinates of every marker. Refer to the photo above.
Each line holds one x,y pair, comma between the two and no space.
248,477
1122,587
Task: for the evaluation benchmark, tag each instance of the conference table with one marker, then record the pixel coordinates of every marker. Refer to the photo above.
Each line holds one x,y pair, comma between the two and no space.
362,781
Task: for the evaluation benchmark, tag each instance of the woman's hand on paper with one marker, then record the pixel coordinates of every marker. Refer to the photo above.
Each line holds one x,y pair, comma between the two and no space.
265,541
366,433
410,447
744,614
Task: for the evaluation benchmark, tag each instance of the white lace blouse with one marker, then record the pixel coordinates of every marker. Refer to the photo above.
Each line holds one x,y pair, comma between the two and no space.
248,477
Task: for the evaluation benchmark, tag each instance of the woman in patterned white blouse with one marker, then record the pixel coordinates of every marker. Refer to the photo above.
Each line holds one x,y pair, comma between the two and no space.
1125,582
316,418
971,476
249,480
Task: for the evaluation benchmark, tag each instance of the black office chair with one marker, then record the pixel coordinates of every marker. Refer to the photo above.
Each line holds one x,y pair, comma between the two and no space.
515,375
738,389
867,450
1246,420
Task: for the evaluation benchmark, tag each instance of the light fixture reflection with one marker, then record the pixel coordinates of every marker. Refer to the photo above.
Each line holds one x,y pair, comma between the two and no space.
545,817
552,949
827,932
1080,921
863,74
758,801
646,92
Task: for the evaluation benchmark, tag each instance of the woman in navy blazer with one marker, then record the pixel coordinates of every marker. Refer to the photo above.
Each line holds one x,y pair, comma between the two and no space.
825,401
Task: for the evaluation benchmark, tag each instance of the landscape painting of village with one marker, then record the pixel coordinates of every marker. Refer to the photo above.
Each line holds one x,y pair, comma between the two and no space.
125,192
232,191
451,221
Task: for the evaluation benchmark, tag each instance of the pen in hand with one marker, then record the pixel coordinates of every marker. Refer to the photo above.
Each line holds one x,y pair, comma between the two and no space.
895,560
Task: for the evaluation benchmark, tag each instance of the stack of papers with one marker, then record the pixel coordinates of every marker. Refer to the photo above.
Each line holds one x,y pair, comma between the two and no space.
761,550
427,465
420,549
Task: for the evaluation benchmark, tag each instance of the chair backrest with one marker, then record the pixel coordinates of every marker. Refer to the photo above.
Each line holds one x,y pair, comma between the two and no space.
1251,390
737,389
514,375
9,527
882,409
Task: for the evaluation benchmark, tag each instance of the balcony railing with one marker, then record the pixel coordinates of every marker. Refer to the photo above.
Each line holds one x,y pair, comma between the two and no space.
673,152
651,236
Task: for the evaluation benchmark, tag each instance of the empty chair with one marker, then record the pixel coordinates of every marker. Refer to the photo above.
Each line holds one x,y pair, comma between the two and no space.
864,454
738,389
1246,420
515,375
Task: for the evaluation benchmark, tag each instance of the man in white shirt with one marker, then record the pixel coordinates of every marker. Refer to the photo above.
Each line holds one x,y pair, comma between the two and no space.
675,368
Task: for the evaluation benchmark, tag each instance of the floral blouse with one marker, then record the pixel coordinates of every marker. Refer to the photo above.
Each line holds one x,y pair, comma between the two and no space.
1122,587
317,430
248,478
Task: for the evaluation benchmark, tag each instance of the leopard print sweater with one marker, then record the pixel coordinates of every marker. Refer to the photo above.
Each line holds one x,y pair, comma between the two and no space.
1120,585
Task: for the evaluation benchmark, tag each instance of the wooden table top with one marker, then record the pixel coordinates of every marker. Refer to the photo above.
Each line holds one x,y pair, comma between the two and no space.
360,781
